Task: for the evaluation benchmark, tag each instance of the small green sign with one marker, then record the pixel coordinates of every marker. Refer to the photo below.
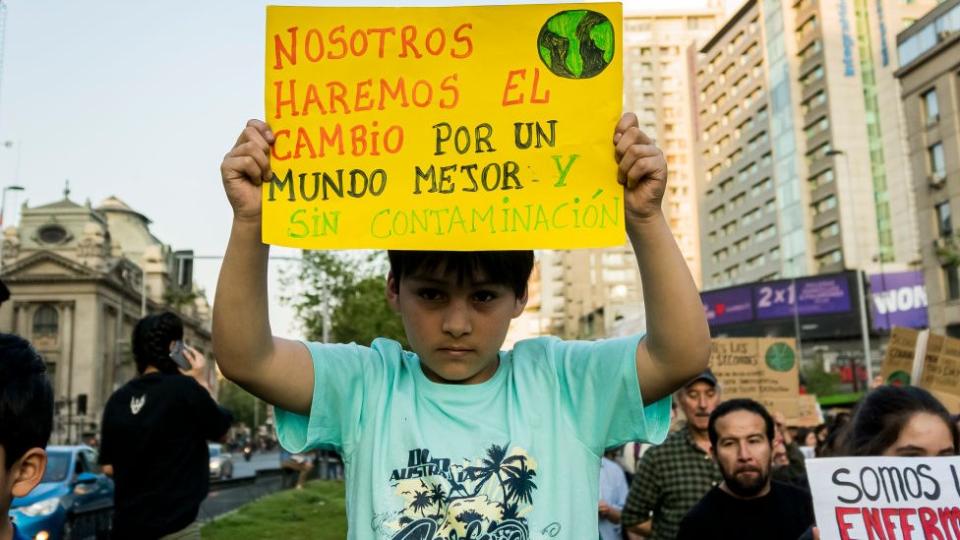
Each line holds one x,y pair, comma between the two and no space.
780,357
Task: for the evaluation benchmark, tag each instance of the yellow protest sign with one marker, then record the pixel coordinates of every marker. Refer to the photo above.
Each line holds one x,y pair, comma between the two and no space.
453,128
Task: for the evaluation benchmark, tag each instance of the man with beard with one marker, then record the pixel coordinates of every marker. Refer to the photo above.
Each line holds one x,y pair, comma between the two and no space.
747,505
673,476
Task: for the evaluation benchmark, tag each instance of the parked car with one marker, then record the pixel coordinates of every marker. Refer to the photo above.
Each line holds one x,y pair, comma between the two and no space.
221,463
73,500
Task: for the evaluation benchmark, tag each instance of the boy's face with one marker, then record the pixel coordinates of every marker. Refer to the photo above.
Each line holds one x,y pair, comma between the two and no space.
456,328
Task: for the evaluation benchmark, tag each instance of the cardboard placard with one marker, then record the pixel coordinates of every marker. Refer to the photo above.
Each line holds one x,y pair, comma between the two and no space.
756,368
890,498
941,372
798,411
444,128
897,364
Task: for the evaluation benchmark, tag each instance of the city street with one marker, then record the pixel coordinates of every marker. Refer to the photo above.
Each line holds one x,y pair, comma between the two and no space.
259,461
230,496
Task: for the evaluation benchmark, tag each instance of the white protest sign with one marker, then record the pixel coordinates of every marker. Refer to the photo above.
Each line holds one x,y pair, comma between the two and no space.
886,498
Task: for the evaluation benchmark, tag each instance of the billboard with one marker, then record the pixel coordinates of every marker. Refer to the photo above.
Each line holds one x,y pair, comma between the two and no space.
898,299
829,294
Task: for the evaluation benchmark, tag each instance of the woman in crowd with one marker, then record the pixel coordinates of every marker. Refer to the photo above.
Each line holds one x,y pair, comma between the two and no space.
900,422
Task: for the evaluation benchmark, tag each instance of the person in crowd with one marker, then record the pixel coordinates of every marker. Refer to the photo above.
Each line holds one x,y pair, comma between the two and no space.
414,419
301,464
748,504
821,433
154,436
897,421
788,459
672,477
832,438
613,494
900,421
26,420
807,441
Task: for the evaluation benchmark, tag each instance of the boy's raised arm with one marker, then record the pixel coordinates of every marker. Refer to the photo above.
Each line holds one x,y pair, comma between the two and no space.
677,345
278,371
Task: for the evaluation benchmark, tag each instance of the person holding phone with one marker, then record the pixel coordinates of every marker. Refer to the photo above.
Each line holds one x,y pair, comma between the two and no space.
154,435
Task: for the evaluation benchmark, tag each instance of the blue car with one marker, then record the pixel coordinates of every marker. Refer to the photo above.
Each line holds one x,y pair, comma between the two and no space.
74,500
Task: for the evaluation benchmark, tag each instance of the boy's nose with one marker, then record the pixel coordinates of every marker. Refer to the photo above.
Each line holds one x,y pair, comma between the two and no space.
456,320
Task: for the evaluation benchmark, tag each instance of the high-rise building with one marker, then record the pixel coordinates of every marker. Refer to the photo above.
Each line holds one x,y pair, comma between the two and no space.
929,53
801,149
594,293
659,59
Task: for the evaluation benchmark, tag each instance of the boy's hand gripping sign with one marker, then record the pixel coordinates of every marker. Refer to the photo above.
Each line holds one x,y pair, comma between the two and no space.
886,498
453,128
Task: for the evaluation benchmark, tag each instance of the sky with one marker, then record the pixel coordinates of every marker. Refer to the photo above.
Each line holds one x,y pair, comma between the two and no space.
141,100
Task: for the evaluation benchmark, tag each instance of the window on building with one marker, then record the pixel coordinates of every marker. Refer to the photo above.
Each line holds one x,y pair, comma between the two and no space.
944,220
46,321
931,107
52,234
951,279
938,166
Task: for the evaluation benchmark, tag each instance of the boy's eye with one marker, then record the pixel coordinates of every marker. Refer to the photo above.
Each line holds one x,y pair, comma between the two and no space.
484,296
430,294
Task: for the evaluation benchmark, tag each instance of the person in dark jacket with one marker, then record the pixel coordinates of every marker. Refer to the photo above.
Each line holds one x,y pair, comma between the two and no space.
154,436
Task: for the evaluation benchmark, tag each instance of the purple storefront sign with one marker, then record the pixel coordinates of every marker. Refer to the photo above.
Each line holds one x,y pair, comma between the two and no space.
728,306
898,299
808,296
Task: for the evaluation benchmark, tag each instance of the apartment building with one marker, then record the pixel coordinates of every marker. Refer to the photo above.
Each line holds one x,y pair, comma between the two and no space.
929,53
801,150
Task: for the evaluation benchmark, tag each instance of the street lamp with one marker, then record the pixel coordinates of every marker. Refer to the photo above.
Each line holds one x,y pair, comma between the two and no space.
864,330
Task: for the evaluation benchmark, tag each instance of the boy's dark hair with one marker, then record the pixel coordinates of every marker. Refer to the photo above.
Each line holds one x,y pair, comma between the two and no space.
510,268
151,341
740,404
26,399
881,415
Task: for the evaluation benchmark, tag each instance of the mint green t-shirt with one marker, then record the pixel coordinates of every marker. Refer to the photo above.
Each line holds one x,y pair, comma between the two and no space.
516,457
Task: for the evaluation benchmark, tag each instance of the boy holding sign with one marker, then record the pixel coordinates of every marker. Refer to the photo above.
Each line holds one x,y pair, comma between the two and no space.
457,438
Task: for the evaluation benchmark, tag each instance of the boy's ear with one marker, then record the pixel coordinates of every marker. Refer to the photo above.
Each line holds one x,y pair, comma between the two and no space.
393,292
28,471
521,304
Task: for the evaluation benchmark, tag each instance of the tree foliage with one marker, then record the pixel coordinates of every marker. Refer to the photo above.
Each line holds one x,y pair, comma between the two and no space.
350,288
240,403
819,381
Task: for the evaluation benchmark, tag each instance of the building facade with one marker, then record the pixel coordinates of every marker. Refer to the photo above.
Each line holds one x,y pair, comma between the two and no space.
802,165
929,75
597,292
80,277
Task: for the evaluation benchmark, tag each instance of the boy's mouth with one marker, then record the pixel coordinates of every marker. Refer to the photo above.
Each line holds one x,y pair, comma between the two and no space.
456,350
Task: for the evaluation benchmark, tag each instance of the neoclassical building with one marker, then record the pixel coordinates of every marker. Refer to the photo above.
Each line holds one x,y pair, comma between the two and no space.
80,277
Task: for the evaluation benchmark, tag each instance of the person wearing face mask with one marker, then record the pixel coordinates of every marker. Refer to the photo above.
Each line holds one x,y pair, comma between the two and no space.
154,436
742,434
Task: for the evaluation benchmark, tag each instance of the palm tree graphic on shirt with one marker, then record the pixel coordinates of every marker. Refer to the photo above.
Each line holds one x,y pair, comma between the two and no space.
487,498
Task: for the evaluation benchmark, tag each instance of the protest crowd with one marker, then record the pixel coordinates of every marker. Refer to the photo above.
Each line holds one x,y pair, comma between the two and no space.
672,434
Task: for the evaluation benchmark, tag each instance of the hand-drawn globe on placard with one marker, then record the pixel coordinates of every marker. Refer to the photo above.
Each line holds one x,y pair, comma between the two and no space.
899,378
577,44
780,357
